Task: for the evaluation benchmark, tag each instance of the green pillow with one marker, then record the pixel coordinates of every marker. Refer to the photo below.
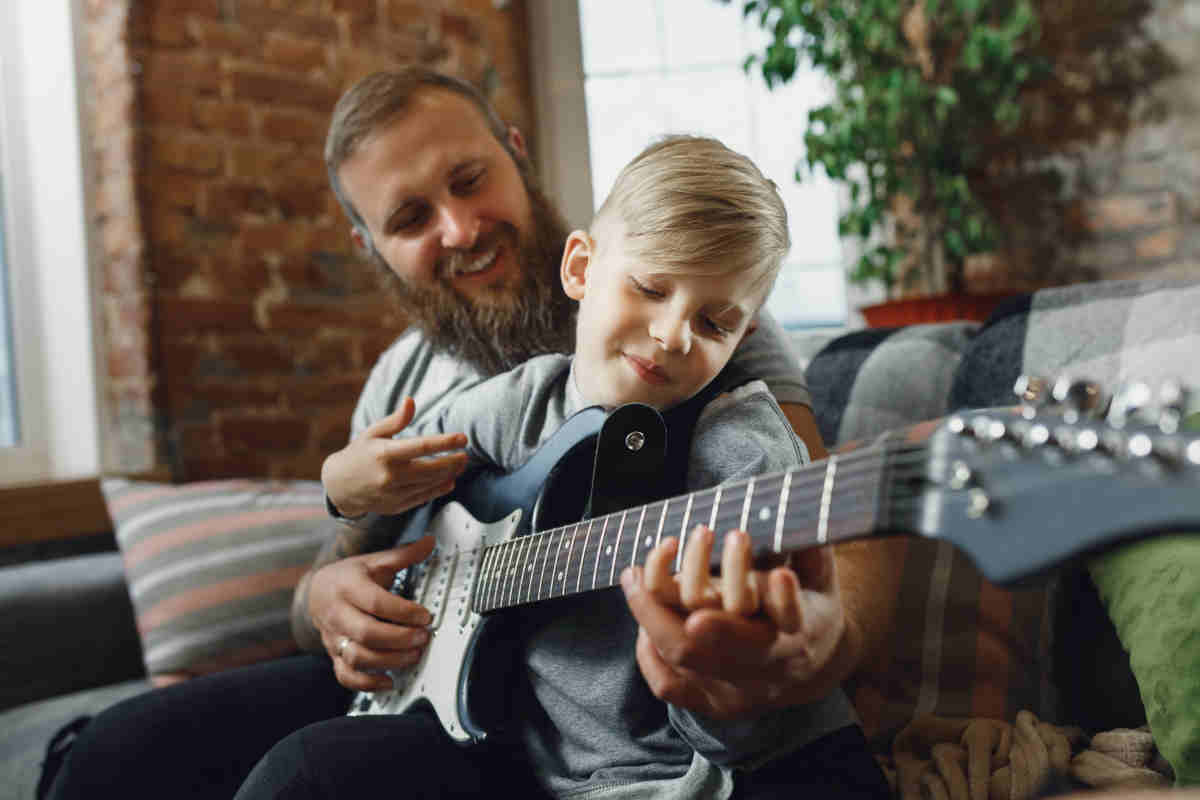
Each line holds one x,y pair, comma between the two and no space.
1151,589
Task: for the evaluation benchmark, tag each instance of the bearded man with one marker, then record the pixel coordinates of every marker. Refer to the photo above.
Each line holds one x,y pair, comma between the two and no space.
441,198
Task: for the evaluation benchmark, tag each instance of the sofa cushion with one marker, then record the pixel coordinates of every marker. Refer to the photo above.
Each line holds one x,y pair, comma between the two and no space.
866,382
67,625
212,566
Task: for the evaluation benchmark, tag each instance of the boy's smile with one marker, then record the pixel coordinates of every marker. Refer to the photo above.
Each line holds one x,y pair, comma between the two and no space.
647,335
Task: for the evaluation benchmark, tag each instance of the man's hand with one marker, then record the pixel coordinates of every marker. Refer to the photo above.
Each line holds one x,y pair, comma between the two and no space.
703,647
378,473
363,626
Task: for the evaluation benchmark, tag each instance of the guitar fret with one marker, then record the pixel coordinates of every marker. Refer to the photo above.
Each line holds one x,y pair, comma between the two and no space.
783,498
746,505
826,499
600,546
683,532
557,550
522,568
582,553
502,575
542,572
712,520
531,566
498,557
662,521
484,576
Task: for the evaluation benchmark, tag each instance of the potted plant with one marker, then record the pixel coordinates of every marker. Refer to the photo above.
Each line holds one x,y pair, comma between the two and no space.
924,93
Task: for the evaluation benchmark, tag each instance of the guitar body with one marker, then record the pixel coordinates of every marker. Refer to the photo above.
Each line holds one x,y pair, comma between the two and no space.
588,466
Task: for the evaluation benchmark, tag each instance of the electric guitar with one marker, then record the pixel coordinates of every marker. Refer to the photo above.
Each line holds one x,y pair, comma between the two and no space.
1018,490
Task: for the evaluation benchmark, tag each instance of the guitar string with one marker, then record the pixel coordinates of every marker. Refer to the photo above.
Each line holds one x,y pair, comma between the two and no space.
796,520
858,464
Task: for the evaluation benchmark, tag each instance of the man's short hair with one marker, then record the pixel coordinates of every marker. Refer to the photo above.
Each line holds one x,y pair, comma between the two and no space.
376,100
689,203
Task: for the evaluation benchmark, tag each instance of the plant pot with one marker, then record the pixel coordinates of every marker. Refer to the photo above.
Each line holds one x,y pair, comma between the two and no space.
932,308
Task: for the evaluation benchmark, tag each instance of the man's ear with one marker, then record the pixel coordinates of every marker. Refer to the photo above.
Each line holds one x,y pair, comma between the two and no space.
517,142
577,254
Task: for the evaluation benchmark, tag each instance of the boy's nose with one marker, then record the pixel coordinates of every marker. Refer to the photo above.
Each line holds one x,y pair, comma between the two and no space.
672,332
459,226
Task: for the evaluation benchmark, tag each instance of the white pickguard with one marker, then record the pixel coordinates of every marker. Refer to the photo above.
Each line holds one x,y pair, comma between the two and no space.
445,585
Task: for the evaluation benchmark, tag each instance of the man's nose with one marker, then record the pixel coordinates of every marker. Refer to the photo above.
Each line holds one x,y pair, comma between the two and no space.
672,331
458,225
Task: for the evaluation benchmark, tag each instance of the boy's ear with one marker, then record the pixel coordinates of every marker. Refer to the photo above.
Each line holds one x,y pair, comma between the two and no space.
577,254
517,141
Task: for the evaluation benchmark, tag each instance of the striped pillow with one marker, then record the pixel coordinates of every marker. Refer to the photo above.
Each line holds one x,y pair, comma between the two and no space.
212,566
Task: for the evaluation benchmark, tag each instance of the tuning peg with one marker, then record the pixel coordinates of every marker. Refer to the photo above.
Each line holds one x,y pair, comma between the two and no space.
1081,398
1173,402
1127,402
1033,392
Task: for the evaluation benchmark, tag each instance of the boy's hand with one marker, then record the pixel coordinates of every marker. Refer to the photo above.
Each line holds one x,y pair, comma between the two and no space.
387,476
708,651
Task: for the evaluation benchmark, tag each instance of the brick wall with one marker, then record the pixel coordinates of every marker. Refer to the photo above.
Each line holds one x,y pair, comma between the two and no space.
238,323
1123,126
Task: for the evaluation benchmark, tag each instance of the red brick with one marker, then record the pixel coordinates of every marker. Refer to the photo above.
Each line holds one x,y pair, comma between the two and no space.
179,315
173,268
174,189
356,9
164,105
223,116
255,16
222,38
283,238
237,278
294,126
303,199
231,199
301,55
257,433
259,163
189,70
259,355
1124,212
193,154
206,8
182,356
1159,245
283,90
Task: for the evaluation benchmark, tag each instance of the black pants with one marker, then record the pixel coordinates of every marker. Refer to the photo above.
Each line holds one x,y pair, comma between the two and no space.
202,738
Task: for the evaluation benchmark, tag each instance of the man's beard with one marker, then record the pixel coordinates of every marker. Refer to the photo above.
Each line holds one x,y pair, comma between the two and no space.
513,323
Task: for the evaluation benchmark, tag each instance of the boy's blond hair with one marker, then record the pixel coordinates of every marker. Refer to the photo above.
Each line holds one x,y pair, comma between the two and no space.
690,204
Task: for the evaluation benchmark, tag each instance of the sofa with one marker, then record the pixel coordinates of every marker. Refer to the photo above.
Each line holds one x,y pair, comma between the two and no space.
198,577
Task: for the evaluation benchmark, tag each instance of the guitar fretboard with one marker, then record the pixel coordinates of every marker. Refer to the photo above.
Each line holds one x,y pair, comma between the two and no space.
833,500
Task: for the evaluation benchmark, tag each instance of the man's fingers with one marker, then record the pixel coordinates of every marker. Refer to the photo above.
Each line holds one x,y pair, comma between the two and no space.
781,600
418,449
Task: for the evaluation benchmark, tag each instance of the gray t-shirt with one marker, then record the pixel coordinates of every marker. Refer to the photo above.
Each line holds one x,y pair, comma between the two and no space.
589,721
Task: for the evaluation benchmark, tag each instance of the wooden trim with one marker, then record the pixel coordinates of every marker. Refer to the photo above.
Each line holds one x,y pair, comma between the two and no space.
48,511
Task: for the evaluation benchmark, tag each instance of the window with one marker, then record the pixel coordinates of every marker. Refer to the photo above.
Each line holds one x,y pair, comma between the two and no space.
649,67
48,363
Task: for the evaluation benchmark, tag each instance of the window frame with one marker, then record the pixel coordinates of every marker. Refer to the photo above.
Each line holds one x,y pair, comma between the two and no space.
51,292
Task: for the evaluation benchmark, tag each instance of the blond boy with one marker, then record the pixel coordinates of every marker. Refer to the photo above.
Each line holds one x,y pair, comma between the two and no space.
677,262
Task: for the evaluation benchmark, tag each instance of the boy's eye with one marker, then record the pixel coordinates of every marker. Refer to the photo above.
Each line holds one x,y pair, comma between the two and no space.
469,182
715,327
644,289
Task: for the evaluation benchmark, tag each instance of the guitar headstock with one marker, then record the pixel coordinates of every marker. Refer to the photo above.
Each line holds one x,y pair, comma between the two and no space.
1068,471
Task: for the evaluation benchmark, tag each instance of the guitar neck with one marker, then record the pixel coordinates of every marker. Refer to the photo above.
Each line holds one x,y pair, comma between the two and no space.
843,497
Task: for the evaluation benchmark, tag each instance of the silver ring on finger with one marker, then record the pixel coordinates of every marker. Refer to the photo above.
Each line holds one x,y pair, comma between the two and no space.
341,646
